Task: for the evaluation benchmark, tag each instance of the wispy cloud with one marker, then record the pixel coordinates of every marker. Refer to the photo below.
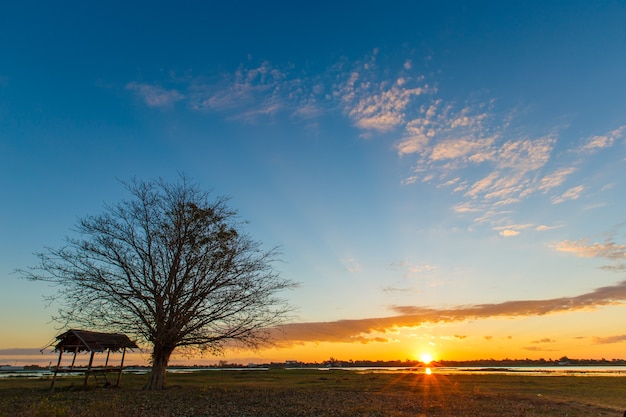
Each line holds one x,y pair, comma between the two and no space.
20,351
543,227
512,229
583,248
364,330
155,96
609,339
472,145
607,140
247,90
544,340
608,250
571,194
351,264
555,179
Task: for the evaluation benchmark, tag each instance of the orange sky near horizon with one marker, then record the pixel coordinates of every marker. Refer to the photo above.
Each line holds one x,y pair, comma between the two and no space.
531,337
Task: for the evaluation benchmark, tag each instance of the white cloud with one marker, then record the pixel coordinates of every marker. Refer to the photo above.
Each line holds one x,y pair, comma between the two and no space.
468,145
351,264
155,96
409,180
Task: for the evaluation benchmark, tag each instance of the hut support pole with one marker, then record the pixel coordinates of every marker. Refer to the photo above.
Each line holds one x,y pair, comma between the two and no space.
119,375
89,368
74,359
56,370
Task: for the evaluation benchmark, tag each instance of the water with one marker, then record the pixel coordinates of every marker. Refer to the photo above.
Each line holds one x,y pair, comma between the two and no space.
582,371
499,370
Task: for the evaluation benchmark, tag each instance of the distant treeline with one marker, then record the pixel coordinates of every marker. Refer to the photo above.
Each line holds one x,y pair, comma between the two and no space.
332,362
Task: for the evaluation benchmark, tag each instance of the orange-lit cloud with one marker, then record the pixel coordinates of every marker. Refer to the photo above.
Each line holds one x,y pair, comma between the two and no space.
364,330
544,340
583,248
610,339
603,141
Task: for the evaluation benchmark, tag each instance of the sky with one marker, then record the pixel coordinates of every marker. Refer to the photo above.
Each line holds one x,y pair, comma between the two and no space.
441,177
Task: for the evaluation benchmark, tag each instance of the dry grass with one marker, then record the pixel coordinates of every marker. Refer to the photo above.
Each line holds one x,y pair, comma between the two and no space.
321,393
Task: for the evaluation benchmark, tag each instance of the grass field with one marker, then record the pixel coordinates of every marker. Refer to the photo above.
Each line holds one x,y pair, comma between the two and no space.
320,393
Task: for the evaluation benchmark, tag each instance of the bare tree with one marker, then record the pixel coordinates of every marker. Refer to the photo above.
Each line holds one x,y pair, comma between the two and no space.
170,266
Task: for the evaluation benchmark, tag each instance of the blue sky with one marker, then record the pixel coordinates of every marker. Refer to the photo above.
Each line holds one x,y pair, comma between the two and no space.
466,158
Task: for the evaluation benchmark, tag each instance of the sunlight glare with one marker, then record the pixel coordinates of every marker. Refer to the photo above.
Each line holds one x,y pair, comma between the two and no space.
426,358
428,371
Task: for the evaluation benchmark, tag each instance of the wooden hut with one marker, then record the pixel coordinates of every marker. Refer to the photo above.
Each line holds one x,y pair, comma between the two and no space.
77,341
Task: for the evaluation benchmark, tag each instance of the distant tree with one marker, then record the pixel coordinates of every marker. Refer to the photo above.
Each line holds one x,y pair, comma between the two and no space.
171,267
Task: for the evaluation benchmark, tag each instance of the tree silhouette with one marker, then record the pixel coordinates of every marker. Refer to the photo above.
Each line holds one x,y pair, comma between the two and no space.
171,267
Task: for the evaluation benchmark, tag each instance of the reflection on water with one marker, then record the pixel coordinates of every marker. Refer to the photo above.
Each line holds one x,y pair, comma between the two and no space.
501,370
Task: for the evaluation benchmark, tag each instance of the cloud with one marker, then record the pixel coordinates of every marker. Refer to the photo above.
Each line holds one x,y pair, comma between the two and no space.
20,351
609,339
582,248
607,140
555,179
618,267
351,264
512,229
543,228
385,110
155,96
374,104
538,349
471,143
544,340
571,194
392,290
409,316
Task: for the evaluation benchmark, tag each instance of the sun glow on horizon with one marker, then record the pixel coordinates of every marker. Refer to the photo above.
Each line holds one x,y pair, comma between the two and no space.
426,358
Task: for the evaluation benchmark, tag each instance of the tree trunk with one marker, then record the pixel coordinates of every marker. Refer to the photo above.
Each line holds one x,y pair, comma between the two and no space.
160,358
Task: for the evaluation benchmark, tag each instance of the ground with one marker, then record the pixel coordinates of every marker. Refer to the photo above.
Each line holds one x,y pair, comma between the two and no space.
319,393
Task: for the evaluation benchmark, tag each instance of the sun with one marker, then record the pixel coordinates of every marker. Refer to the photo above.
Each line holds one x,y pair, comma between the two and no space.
426,358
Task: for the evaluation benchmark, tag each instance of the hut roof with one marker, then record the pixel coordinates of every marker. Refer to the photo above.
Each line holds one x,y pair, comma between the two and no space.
82,340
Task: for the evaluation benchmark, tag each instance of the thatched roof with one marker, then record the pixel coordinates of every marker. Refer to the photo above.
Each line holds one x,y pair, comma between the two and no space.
82,340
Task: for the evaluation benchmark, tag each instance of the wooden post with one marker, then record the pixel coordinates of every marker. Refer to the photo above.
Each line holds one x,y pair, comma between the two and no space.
89,368
74,360
119,375
56,370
